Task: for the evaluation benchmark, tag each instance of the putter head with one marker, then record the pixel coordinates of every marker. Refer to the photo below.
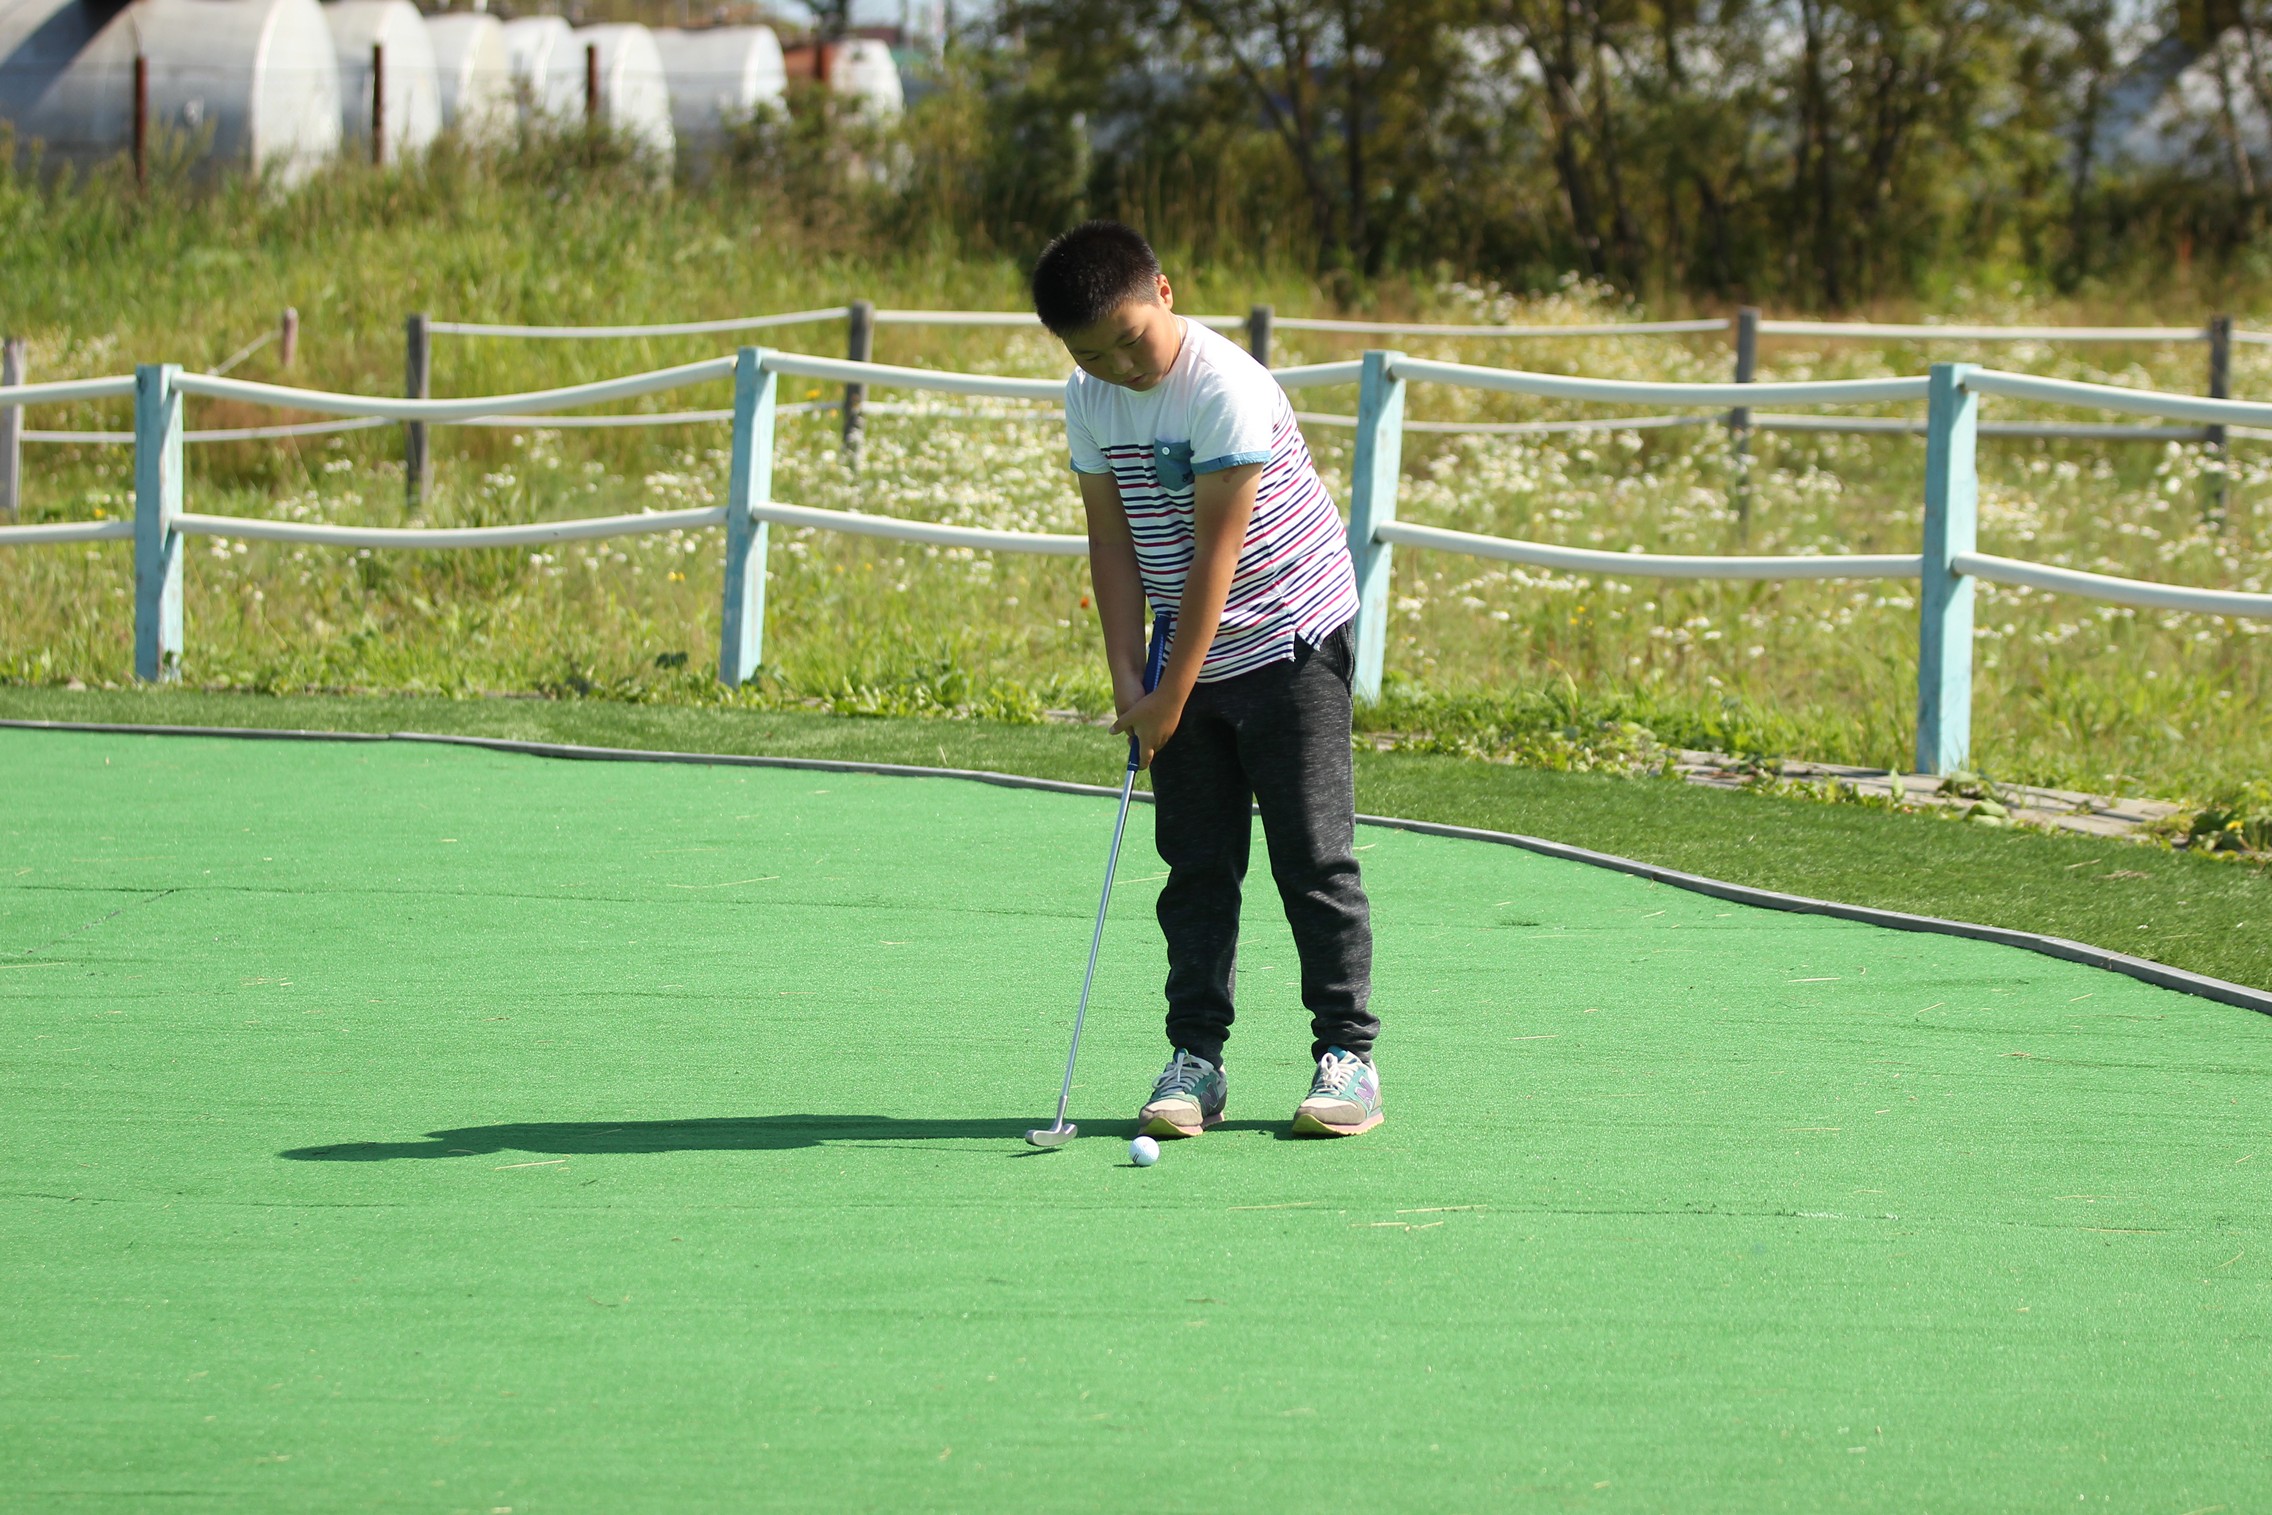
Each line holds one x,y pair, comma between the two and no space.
1053,1136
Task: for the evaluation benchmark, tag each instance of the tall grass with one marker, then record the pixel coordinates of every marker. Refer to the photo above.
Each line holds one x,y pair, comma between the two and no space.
1550,668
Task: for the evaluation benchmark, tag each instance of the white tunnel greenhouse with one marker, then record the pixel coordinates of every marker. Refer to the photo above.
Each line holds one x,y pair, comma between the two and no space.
718,78
547,65
244,84
396,32
635,98
473,70
863,69
283,86
552,65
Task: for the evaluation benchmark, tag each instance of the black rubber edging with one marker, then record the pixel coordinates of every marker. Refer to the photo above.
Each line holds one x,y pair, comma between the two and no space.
2161,975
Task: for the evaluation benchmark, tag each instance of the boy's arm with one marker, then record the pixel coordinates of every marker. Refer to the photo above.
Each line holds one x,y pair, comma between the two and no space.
1222,504
1119,587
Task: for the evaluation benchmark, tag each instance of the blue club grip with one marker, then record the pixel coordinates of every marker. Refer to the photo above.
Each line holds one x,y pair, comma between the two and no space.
1155,657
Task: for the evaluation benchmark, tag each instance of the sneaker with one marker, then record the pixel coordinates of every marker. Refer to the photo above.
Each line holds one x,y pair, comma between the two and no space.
1187,1099
1345,1097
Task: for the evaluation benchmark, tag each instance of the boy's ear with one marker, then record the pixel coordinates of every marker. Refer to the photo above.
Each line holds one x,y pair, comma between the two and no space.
1167,295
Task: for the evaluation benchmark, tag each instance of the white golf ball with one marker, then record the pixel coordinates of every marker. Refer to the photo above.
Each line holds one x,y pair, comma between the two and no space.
1143,1152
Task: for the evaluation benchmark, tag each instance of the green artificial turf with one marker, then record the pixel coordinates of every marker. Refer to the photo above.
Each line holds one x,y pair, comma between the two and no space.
399,1127
2192,912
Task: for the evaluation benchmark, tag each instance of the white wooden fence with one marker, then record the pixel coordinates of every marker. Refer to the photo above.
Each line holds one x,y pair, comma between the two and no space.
1948,566
862,318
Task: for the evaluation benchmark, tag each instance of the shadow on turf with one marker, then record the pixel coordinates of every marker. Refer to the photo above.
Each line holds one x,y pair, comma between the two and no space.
752,1133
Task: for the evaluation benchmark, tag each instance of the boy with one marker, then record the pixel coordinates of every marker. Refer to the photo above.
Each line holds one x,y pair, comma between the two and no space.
1201,497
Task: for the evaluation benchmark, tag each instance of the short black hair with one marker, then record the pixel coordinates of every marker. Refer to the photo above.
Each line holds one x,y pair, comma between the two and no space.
1090,272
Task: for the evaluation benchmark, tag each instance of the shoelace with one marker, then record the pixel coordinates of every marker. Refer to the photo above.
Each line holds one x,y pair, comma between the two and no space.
1181,1076
1335,1074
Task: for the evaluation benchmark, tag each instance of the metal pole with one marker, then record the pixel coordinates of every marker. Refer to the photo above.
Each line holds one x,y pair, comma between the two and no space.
591,84
11,432
1258,323
141,121
2220,388
1944,610
418,373
741,619
860,347
378,105
1739,419
288,338
1372,501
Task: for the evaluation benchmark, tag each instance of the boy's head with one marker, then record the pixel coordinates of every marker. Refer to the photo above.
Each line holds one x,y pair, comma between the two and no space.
1100,289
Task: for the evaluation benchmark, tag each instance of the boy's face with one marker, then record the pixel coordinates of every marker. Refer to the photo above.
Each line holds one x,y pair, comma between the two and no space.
1133,347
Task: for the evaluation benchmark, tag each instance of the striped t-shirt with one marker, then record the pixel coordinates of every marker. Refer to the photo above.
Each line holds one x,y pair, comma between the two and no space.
1217,408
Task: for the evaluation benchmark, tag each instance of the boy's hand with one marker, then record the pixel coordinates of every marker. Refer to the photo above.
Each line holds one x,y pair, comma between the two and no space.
1127,688
1154,719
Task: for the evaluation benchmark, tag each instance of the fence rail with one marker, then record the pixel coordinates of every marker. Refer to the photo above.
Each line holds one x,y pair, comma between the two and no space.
1879,331
510,423
1651,565
530,534
1014,318
65,391
661,329
2142,593
925,533
1948,566
1548,330
229,434
890,376
1903,426
2137,402
1524,428
480,407
1630,392
66,531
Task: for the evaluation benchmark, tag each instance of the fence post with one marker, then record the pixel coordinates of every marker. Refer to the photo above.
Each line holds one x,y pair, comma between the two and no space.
860,347
741,624
1739,419
11,432
1372,503
141,122
1944,605
591,83
288,337
157,544
418,375
1259,320
2220,388
378,105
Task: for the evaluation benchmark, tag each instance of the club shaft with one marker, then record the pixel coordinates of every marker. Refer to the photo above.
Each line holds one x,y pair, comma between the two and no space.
1096,941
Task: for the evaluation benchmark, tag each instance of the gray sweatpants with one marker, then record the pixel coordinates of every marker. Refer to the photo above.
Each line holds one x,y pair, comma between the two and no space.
1276,739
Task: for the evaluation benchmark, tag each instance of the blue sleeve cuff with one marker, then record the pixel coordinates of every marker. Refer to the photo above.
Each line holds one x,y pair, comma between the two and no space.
1231,460
1094,473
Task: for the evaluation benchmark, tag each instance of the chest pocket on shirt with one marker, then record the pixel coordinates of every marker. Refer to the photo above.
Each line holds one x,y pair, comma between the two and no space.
1171,463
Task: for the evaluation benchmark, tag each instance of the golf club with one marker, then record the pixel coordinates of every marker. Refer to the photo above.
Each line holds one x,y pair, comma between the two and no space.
1062,1132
